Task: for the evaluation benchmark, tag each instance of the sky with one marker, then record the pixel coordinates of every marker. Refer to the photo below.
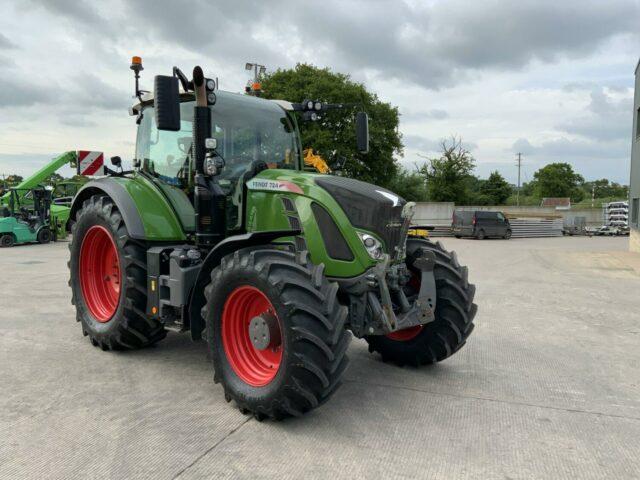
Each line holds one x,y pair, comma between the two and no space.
550,79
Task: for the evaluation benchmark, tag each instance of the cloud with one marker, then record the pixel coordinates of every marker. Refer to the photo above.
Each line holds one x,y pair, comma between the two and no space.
434,44
427,145
436,114
606,117
574,150
5,43
15,93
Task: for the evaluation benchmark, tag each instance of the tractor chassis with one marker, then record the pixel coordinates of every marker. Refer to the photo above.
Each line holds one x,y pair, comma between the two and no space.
377,301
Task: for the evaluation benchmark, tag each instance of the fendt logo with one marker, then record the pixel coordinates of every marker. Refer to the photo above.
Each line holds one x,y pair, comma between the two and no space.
90,163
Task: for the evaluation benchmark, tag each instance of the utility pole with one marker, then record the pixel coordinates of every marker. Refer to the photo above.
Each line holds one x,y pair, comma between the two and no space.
519,167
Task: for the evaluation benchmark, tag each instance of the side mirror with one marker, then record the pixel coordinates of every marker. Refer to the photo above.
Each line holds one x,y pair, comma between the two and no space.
167,103
116,161
362,132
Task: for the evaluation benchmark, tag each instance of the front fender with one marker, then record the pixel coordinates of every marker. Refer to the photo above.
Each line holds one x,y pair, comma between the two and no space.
213,259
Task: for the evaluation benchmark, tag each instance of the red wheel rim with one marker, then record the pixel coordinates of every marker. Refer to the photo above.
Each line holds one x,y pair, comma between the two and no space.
100,273
411,332
255,367
406,334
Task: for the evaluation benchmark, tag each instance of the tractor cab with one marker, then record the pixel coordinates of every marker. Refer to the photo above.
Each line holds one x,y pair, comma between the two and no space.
251,135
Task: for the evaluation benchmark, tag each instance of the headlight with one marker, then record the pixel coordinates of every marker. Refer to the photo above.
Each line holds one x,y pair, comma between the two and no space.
372,245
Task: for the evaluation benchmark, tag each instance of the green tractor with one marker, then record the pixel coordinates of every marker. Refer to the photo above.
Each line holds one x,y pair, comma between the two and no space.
219,231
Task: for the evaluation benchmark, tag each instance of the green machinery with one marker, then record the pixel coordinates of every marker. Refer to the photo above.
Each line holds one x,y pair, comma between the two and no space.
21,218
219,231
26,221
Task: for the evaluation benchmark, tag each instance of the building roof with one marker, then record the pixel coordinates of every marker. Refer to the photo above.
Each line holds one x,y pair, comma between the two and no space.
560,203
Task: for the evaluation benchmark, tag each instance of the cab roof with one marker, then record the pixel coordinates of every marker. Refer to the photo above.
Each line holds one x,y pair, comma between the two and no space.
147,99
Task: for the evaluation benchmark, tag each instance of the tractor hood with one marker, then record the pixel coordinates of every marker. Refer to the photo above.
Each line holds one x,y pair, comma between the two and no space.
368,207
331,212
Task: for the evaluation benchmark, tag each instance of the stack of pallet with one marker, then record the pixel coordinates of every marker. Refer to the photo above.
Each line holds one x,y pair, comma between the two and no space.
536,227
616,213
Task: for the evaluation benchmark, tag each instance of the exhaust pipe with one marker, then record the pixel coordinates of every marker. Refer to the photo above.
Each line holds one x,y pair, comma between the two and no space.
209,199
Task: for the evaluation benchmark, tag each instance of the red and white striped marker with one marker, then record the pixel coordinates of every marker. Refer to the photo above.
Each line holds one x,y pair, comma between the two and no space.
90,163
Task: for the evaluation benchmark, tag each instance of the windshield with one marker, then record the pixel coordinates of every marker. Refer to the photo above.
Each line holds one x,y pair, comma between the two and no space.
247,130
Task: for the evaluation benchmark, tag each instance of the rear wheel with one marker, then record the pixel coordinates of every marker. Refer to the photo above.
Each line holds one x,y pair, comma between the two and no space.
7,240
480,235
108,279
276,332
455,310
44,235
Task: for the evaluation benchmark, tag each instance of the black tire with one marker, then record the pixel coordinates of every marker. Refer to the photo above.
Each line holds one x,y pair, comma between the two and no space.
312,324
129,327
7,240
457,236
480,235
44,235
454,313
507,236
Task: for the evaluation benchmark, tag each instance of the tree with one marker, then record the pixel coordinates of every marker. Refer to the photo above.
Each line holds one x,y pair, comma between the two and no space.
13,180
474,194
447,176
409,185
528,189
334,133
496,188
558,180
53,179
603,188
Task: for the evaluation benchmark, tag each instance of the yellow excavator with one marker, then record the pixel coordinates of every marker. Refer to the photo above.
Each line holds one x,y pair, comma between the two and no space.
316,161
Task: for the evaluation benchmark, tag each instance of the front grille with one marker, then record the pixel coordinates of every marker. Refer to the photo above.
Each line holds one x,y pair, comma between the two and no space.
294,223
394,235
288,205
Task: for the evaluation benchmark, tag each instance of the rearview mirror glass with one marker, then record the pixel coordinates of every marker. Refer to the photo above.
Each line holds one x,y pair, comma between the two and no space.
362,132
167,103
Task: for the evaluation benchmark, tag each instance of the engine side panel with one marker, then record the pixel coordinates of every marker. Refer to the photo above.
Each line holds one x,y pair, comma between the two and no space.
270,195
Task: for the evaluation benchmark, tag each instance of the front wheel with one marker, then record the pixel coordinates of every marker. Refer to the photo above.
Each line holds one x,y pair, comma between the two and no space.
44,235
276,332
507,235
481,235
455,310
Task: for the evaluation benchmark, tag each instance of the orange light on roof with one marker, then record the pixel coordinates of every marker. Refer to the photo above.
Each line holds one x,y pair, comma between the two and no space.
256,86
136,60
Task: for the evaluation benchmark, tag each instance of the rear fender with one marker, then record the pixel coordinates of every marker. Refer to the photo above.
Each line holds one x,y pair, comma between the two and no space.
120,197
146,211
